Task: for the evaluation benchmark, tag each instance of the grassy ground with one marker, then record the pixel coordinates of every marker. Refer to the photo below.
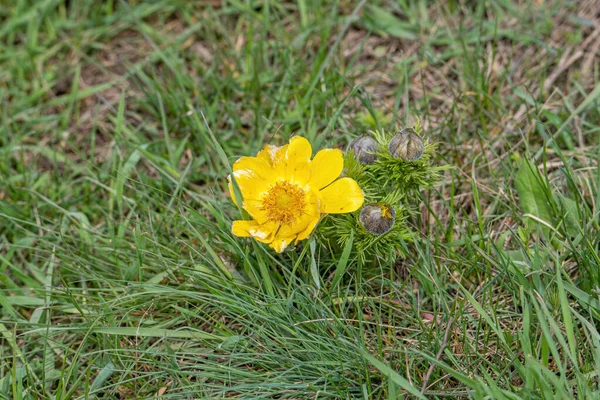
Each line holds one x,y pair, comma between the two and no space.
119,277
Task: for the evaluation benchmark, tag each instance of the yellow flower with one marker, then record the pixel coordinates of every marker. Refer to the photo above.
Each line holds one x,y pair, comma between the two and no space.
285,192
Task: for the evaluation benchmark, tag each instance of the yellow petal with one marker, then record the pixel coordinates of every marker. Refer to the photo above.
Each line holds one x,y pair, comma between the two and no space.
297,171
272,153
309,228
242,228
342,196
256,166
252,186
299,148
253,175
255,209
326,167
279,243
231,191
265,153
262,232
296,161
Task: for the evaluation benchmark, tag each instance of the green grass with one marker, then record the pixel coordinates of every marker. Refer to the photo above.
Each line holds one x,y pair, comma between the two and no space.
119,277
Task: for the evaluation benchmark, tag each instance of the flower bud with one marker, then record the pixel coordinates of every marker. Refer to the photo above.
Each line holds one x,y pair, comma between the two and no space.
365,149
377,218
406,145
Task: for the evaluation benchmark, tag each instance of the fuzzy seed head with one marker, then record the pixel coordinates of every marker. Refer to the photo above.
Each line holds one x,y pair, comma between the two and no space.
365,149
406,145
378,218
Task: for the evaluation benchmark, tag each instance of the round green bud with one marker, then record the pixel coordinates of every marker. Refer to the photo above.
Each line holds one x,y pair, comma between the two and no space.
365,149
406,145
378,218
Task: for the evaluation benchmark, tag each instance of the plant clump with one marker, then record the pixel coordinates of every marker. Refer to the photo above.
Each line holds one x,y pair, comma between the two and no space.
391,167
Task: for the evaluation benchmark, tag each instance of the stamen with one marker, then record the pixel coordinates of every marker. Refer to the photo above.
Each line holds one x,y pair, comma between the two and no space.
284,202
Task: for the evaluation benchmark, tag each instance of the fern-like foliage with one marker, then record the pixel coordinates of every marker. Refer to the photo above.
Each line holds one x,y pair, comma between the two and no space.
391,181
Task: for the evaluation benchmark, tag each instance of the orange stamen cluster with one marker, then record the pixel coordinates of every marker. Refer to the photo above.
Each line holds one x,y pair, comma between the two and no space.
284,202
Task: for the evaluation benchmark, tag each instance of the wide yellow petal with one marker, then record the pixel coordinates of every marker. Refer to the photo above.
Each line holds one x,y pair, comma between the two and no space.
297,171
242,228
326,167
265,153
279,243
299,149
308,230
252,186
271,153
297,159
262,232
253,176
256,211
257,166
342,196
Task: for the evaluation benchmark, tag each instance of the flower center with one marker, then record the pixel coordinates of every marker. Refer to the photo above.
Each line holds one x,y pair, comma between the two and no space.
284,202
